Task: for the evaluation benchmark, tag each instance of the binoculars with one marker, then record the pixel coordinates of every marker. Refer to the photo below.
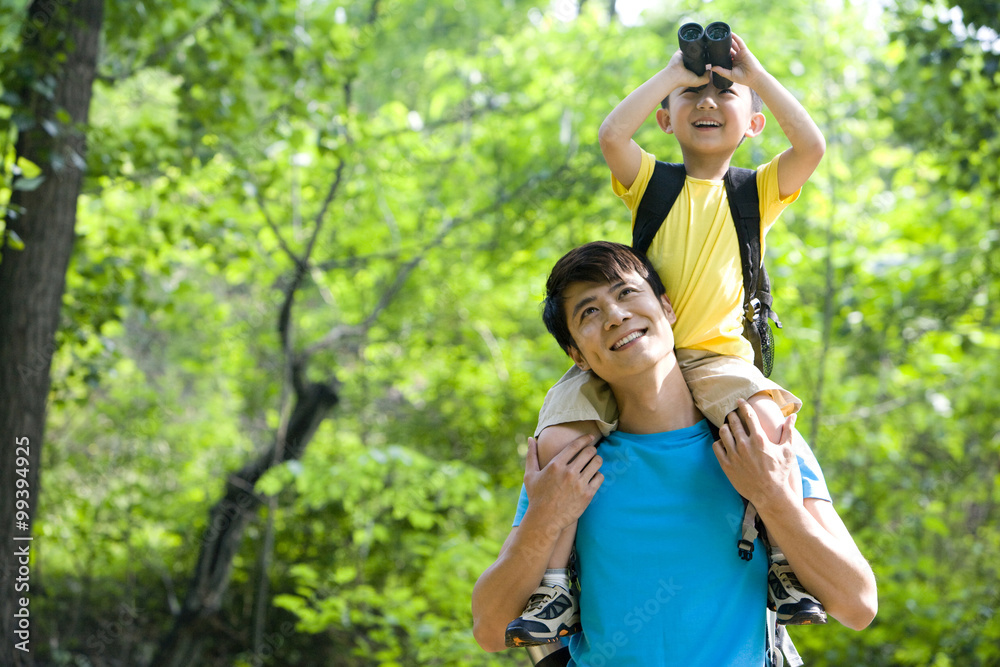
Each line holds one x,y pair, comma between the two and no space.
701,46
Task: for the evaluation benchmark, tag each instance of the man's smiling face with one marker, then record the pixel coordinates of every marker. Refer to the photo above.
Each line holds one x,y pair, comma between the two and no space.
620,328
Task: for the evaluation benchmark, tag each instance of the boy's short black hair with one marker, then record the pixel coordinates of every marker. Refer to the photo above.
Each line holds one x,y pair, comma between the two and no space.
756,104
597,262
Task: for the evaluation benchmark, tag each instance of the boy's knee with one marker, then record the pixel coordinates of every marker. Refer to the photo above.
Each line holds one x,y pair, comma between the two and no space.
554,439
768,414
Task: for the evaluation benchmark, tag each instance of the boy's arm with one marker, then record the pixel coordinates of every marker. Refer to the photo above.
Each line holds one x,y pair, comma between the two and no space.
558,493
808,145
622,154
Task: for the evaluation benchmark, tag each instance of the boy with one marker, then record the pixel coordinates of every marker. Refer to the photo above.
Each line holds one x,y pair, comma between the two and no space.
697,256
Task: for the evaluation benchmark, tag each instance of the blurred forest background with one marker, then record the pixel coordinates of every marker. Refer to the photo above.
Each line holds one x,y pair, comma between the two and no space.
298,348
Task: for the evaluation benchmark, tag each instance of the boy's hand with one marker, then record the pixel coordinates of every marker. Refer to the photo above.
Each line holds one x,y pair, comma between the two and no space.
623,155
746,70
684,77
808,145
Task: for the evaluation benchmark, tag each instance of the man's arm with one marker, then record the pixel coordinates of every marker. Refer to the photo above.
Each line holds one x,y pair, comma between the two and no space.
558,494
808,145
819,548
623,155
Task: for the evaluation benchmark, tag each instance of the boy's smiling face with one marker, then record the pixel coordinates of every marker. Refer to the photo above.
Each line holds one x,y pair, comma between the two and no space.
707,120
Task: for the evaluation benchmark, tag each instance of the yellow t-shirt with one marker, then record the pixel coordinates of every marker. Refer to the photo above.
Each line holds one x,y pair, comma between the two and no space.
696,253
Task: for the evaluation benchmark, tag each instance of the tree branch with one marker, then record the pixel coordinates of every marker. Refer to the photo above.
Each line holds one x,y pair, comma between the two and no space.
229,518
331,193
341,332
274,228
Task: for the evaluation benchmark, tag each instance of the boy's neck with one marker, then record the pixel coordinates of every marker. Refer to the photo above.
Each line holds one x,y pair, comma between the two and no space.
709,168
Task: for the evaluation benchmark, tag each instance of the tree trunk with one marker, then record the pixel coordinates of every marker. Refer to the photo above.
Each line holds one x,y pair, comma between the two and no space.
32,281
226,522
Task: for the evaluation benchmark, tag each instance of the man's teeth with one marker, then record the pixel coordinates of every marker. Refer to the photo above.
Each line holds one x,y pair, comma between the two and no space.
627,339
707,123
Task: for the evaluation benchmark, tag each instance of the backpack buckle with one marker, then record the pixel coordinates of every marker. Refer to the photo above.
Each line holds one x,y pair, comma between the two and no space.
746,549
753,310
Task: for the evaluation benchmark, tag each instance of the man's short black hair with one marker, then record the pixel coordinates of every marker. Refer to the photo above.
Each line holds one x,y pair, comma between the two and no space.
597,262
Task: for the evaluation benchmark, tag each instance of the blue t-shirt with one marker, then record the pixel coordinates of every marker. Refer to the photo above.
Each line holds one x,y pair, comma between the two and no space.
660,577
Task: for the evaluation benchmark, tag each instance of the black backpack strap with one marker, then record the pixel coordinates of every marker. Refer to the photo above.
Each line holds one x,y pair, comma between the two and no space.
661,192
744,204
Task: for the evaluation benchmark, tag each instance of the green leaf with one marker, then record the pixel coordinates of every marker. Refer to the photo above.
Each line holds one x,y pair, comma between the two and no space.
27,184
10,98
13,240
22,121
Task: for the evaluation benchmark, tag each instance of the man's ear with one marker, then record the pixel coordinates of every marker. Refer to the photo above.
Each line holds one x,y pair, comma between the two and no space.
663,120
577,358
668,309
756,125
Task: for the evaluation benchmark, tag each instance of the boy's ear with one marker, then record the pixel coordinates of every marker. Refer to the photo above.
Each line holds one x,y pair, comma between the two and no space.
756,125
577,358
663,120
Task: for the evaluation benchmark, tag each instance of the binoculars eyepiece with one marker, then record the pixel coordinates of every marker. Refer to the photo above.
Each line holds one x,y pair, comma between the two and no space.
710,45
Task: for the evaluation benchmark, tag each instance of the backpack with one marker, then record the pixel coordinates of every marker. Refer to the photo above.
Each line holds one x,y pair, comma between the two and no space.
664,186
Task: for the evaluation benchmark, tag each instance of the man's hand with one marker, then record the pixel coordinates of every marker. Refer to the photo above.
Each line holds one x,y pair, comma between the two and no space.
761,471
558,494
567,484
812,536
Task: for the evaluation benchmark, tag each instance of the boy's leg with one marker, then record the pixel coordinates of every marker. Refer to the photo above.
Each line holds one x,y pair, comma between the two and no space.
716,382
771,419
551,441
553,611
580,403
786,596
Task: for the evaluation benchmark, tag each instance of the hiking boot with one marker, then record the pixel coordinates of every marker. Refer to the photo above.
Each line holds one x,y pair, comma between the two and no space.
552,612
786,596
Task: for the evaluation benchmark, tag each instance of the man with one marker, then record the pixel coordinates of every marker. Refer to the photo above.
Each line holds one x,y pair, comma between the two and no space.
658,510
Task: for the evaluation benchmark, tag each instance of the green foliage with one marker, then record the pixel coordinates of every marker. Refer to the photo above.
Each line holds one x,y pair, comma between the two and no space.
391,558
462,141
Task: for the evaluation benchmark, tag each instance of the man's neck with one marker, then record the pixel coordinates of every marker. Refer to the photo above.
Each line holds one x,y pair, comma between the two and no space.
656,402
